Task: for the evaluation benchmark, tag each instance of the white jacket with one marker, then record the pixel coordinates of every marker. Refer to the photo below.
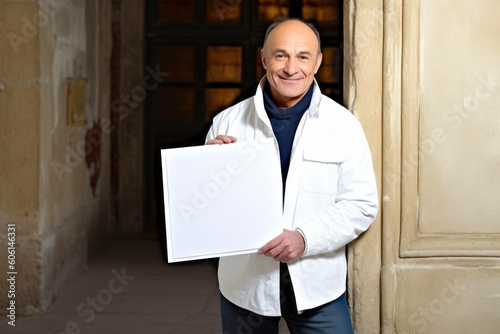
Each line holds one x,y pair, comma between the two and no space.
331,198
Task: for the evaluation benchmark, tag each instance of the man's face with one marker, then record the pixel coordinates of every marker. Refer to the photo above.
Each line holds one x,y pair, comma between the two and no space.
291,60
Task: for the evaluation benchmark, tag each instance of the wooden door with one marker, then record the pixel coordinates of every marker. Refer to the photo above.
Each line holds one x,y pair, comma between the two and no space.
211,52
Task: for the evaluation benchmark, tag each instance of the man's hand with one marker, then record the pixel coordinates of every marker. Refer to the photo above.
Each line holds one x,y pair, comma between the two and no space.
222,139
286,247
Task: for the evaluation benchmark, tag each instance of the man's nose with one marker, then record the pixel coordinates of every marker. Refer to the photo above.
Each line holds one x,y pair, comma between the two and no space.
291,66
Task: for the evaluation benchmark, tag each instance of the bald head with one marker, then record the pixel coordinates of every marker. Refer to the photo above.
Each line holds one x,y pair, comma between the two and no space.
296,22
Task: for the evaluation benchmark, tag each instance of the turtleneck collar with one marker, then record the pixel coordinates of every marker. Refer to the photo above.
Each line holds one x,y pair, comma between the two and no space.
275,112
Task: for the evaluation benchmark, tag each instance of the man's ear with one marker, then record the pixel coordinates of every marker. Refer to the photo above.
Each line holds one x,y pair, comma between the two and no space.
318,63
263,58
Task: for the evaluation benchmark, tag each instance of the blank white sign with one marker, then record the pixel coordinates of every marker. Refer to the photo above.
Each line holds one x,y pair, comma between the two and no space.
221,200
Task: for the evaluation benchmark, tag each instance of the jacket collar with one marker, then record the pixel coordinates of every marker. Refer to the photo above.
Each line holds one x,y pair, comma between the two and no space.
259,101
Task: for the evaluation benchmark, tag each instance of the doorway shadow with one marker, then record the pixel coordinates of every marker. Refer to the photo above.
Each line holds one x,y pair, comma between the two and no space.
195,140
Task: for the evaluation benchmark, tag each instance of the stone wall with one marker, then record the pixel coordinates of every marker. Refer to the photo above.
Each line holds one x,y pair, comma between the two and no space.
54,175
363,56
423,77
134,87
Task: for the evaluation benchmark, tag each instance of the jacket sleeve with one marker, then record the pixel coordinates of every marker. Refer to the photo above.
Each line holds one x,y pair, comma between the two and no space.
211,134
220,124
355,207
215,129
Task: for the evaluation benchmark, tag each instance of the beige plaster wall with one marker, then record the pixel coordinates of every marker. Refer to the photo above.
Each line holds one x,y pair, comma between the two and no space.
45,179
447,275
457,105
439,244
363,35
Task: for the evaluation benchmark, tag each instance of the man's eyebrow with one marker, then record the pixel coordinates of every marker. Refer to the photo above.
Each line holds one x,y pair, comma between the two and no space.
279,51
305,52
302,52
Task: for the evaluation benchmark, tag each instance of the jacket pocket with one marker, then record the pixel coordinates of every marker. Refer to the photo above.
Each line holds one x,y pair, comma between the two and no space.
323,269
320,172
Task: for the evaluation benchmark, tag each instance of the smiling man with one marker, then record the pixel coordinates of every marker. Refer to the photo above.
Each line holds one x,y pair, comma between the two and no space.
329,194
291,56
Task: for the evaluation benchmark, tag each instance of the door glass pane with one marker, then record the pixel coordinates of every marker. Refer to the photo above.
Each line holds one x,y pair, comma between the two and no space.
176,10
330,70
321,11
178,61
259,69
228,11
271,10
218,99
224,63
174,104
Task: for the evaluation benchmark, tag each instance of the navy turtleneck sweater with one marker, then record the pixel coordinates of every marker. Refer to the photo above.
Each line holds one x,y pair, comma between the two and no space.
285,123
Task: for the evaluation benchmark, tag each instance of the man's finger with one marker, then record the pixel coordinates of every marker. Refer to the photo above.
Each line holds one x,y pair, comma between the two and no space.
226,139
269,246
230,139
222,139
272,248
214,142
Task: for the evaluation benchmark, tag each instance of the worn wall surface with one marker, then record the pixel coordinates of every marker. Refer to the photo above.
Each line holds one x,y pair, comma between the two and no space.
135,84
363,97
458,105
440,153
54,176
450,177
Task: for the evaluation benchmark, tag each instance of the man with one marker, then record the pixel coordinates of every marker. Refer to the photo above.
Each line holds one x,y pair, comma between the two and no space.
330,194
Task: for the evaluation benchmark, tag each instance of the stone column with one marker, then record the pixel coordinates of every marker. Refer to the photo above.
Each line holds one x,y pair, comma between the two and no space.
363,41
54,168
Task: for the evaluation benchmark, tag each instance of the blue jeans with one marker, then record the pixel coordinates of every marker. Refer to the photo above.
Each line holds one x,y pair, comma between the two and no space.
331,318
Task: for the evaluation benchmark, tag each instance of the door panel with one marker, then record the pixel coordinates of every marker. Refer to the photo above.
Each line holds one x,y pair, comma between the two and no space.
451,144
441,239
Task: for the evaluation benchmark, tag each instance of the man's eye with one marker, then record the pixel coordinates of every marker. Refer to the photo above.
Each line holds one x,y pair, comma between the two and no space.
280,56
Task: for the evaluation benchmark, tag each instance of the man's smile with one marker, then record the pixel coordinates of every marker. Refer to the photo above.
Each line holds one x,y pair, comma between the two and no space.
291,80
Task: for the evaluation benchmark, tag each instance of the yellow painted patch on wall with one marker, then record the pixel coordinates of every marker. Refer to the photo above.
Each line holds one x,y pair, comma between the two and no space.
76,96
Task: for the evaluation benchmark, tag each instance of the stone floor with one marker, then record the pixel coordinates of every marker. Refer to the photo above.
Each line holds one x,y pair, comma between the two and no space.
128,288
